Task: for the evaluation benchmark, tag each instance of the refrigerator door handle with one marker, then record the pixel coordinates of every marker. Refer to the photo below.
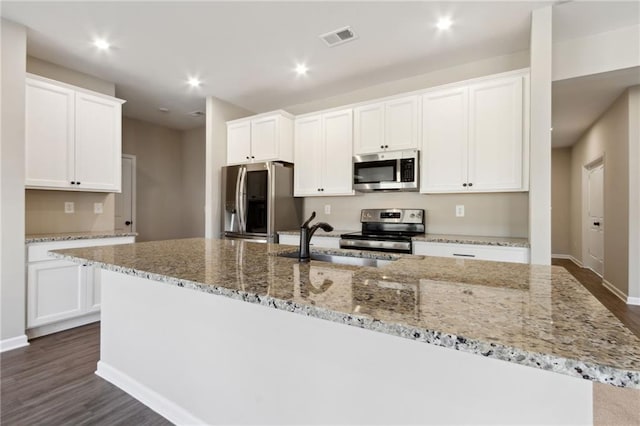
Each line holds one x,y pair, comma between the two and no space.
237,194
242,190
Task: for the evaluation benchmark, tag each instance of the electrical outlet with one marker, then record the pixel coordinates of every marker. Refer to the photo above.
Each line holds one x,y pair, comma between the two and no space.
460,210
98,208
327,209
69,207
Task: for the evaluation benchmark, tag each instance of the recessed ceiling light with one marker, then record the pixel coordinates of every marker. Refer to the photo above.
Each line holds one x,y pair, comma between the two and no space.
301,69
101,44
444,23
194,82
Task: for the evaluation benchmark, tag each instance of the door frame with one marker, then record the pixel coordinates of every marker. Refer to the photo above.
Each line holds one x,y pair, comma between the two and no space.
133,190
584,213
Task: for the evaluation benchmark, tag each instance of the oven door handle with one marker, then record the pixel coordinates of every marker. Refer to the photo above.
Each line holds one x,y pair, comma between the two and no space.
382,245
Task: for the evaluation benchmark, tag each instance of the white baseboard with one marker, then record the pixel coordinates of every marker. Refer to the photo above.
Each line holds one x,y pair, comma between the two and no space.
633,301
567,256
13,343
55,327
158,403
613,289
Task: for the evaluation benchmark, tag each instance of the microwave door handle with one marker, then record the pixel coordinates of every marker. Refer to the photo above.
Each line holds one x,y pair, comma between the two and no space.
398,170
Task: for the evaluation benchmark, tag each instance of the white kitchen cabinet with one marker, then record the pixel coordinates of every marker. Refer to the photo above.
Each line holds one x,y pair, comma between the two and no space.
386,126
323,154
475,137
316,241
472,251
265,137
62,294
56,291
73,138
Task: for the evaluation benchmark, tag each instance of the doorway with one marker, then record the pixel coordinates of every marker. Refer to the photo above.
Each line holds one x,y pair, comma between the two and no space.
125,201
593,213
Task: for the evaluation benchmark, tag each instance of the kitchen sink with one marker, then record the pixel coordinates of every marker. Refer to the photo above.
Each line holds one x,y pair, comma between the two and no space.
342,260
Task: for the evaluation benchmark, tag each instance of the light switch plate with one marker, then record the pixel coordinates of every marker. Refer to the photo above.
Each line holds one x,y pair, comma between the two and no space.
69,207
98,208
327,209
460,210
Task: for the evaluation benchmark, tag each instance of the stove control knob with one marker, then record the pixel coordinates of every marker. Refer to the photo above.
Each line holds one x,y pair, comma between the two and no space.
418,214
412,215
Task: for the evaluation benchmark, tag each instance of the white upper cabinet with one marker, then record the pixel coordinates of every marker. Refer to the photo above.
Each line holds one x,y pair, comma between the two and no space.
265,137
390,125
475,137
323,154
73,138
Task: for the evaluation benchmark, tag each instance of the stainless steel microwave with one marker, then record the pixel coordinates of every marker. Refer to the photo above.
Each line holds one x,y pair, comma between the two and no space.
386,171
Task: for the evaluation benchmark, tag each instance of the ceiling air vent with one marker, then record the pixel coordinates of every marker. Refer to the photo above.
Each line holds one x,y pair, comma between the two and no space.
336,37
197,114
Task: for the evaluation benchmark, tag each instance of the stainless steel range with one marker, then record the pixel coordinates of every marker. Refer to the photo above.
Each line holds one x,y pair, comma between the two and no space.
387,230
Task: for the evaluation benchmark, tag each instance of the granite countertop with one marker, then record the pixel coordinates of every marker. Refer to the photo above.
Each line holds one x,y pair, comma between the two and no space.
534,315
69,236
439,238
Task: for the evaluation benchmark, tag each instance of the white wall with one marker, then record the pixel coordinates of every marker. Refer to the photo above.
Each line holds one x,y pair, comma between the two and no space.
597,53
218,113
193,146
540,149
12,251
634,195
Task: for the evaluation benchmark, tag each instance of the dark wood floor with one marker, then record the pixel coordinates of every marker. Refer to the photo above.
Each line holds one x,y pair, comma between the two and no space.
629,315
52,381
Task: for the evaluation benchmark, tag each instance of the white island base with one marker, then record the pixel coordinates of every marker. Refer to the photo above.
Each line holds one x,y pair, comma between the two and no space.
198,358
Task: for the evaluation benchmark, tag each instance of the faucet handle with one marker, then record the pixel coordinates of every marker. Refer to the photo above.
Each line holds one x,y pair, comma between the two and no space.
306,224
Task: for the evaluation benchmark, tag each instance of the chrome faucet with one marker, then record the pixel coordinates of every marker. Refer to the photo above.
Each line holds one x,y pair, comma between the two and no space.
305,236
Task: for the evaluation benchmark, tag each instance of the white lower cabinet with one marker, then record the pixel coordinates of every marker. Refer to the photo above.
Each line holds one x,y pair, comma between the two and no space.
62,294
472,251
316,241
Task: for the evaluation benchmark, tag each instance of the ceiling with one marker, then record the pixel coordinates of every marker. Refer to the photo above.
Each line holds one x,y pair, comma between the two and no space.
245,52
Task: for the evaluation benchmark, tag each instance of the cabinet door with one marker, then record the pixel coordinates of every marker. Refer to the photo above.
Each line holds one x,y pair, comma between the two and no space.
239,142
265,138
92,284
401,123
56,291
368,129
444,141
49,131
337,172
496,135
308,156
98,143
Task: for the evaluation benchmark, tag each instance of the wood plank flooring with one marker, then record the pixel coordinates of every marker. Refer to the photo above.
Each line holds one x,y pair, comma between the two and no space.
629,315
52,381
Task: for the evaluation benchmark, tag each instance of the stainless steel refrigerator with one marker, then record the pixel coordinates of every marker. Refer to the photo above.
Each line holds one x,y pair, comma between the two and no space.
258,201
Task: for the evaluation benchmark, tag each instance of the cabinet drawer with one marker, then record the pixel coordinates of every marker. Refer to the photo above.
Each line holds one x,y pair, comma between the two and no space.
37,252
473,251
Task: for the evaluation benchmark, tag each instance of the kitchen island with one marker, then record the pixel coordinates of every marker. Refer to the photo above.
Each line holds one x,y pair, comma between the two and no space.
212,331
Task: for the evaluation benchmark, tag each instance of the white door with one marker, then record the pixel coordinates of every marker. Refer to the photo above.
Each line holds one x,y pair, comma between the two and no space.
49,133
401,123
595,217
368,132
495,135
98,143
239,142
55,291
307,154
337,177
264,139
125,200
444,141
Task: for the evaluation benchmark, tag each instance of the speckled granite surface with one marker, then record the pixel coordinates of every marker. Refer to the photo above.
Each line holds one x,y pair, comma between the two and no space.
537,316
68,236
473,239
440,238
